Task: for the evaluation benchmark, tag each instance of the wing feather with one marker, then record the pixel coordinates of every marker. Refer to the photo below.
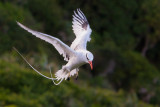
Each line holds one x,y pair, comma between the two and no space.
81,29
61,47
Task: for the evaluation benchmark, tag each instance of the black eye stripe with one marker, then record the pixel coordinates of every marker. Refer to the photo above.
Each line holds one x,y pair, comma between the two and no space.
87,57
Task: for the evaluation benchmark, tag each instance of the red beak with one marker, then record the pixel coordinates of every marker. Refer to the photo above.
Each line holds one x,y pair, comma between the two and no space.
90,62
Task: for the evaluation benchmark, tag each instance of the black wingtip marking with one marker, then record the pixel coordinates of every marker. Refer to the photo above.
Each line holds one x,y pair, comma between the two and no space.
84,25
81,18
82,13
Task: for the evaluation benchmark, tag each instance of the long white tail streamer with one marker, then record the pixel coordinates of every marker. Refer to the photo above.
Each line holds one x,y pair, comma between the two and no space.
37,70
53,79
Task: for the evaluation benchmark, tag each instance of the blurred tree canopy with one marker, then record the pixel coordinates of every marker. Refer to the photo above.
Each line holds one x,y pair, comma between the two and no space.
125,43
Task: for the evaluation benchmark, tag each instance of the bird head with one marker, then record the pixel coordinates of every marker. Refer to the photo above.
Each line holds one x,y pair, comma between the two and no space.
89,59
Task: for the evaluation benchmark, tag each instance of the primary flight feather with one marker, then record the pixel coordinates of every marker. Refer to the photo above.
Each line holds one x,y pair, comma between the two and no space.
75,55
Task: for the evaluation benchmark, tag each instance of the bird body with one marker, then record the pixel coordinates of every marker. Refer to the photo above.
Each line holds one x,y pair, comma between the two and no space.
73,64
76,55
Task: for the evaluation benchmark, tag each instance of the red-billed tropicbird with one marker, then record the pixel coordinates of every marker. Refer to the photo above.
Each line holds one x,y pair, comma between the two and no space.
76,55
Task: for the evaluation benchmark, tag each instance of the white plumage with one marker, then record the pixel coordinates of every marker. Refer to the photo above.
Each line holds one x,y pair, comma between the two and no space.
76,55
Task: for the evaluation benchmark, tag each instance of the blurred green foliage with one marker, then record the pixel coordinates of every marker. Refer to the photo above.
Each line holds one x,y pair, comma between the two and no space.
125,43
23,87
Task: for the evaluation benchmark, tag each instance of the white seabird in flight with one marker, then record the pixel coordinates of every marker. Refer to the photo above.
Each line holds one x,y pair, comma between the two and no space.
76,55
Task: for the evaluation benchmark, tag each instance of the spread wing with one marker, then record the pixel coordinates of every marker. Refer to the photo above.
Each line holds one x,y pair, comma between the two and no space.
81,29
61,47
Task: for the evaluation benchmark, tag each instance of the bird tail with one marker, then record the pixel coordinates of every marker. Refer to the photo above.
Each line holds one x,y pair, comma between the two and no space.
51,78
62,74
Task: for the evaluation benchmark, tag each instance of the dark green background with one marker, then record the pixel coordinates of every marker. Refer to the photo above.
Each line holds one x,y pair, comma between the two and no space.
125,43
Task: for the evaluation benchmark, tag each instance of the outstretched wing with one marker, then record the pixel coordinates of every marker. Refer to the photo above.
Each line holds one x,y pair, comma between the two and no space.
61,47
81,29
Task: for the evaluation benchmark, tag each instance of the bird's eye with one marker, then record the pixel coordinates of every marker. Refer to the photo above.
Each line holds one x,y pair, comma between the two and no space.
87,57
